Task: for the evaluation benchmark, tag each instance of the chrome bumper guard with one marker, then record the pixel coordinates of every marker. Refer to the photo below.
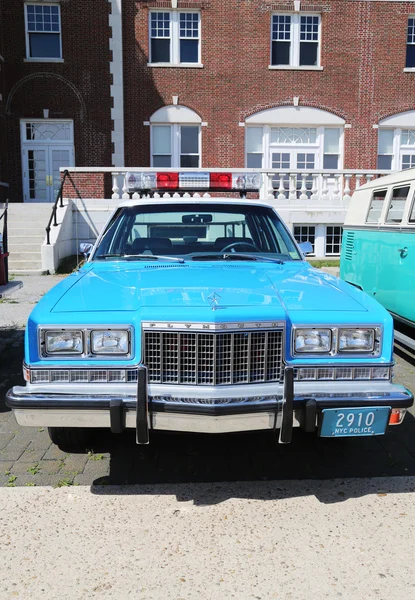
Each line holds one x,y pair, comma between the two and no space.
281,411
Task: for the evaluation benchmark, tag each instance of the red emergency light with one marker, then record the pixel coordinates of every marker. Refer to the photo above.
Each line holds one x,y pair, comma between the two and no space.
196,181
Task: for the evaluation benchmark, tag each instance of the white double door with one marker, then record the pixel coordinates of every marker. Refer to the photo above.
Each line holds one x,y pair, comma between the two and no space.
304,159
41,175
47,145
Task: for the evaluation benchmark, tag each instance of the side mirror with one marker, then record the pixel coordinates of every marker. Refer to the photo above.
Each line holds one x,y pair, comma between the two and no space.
306,247
85,248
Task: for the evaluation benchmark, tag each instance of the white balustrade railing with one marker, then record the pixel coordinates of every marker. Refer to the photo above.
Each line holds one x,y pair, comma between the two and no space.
285,186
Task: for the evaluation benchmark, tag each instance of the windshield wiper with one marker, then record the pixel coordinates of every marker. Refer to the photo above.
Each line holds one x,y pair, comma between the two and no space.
140,257
237,256
118,255
155,257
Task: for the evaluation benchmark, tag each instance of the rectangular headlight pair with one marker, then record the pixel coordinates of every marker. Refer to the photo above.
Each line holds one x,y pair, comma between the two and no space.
321,340
101,341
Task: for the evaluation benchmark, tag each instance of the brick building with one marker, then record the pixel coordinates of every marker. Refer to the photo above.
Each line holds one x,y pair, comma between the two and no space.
304,89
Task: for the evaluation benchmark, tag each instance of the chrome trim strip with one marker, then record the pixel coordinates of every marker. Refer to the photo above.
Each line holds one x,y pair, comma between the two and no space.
201,327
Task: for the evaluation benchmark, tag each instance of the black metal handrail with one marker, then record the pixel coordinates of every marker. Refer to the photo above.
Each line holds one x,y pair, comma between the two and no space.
53,218
4,243
66,175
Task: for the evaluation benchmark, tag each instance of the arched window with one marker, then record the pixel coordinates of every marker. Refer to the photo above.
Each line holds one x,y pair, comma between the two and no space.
175,137
294,137
396,141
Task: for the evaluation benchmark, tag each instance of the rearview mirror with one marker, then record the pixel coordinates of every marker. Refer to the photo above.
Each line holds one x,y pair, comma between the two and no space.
190,219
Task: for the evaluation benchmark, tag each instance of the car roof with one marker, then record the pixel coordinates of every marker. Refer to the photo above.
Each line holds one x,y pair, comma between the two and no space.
197,200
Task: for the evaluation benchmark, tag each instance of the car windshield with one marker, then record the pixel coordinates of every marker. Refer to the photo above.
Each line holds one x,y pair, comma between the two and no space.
195,232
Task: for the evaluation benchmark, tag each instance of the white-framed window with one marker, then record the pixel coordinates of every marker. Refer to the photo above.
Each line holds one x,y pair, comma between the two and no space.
376,206
43,31
410,44
175,145
48,131
397,204
254,147
174,37
295,40
333,240
283,148
325,142
305,233
396,149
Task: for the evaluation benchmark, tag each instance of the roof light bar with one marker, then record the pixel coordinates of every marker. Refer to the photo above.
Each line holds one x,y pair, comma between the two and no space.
192,180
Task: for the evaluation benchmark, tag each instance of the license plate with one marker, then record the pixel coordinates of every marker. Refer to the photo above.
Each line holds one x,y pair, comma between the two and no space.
348,422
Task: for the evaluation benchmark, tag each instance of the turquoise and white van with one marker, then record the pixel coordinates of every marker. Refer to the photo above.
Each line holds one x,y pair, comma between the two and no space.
378,249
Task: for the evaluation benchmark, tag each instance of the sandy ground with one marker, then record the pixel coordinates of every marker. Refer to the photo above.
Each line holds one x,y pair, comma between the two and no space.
279,540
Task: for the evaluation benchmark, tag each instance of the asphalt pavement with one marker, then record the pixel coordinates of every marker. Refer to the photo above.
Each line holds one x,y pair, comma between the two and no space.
193,516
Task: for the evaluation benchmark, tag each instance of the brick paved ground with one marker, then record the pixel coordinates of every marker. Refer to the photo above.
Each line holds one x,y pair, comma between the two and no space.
28,458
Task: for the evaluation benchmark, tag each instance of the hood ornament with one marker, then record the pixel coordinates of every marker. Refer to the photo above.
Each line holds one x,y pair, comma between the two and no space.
214,300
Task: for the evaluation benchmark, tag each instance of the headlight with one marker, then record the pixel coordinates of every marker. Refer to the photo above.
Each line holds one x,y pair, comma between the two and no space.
312,340
356,340
109,342
63,342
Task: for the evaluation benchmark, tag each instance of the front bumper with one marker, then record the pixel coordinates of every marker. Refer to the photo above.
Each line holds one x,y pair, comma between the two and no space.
151,408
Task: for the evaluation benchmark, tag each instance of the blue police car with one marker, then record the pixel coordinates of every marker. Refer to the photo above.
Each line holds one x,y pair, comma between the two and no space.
200,314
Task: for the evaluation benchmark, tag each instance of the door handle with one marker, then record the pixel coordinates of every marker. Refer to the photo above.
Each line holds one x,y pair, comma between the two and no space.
403,251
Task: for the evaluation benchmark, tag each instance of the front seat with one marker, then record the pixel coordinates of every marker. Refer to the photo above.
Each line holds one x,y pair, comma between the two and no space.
155,245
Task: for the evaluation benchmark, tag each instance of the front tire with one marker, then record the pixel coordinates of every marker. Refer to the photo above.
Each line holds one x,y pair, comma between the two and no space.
71,439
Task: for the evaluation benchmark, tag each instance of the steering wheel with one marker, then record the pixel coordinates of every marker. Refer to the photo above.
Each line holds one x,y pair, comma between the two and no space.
249,244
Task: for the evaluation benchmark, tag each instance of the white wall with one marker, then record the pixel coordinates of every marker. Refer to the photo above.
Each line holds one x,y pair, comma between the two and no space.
89,217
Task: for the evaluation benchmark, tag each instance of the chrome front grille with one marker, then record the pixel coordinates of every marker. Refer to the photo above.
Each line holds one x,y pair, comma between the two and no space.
83,375
213,358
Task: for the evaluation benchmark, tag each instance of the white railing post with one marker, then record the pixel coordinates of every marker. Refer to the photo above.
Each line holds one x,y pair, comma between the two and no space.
303,190
314,189
369,177
336,188
346,194
115,188
267,186
325,190
125,194
281,189
358,178
293,186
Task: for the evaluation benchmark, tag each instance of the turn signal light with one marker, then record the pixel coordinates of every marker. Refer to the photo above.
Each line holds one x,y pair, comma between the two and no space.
26,373
396,416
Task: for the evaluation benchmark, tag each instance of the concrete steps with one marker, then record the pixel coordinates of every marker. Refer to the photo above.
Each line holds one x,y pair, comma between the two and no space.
26,234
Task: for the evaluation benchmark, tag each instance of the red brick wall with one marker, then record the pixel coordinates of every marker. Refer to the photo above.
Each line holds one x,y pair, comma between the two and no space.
78,88
363,55
88,184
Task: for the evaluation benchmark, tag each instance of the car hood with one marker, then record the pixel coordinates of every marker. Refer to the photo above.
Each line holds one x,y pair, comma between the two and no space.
279,288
